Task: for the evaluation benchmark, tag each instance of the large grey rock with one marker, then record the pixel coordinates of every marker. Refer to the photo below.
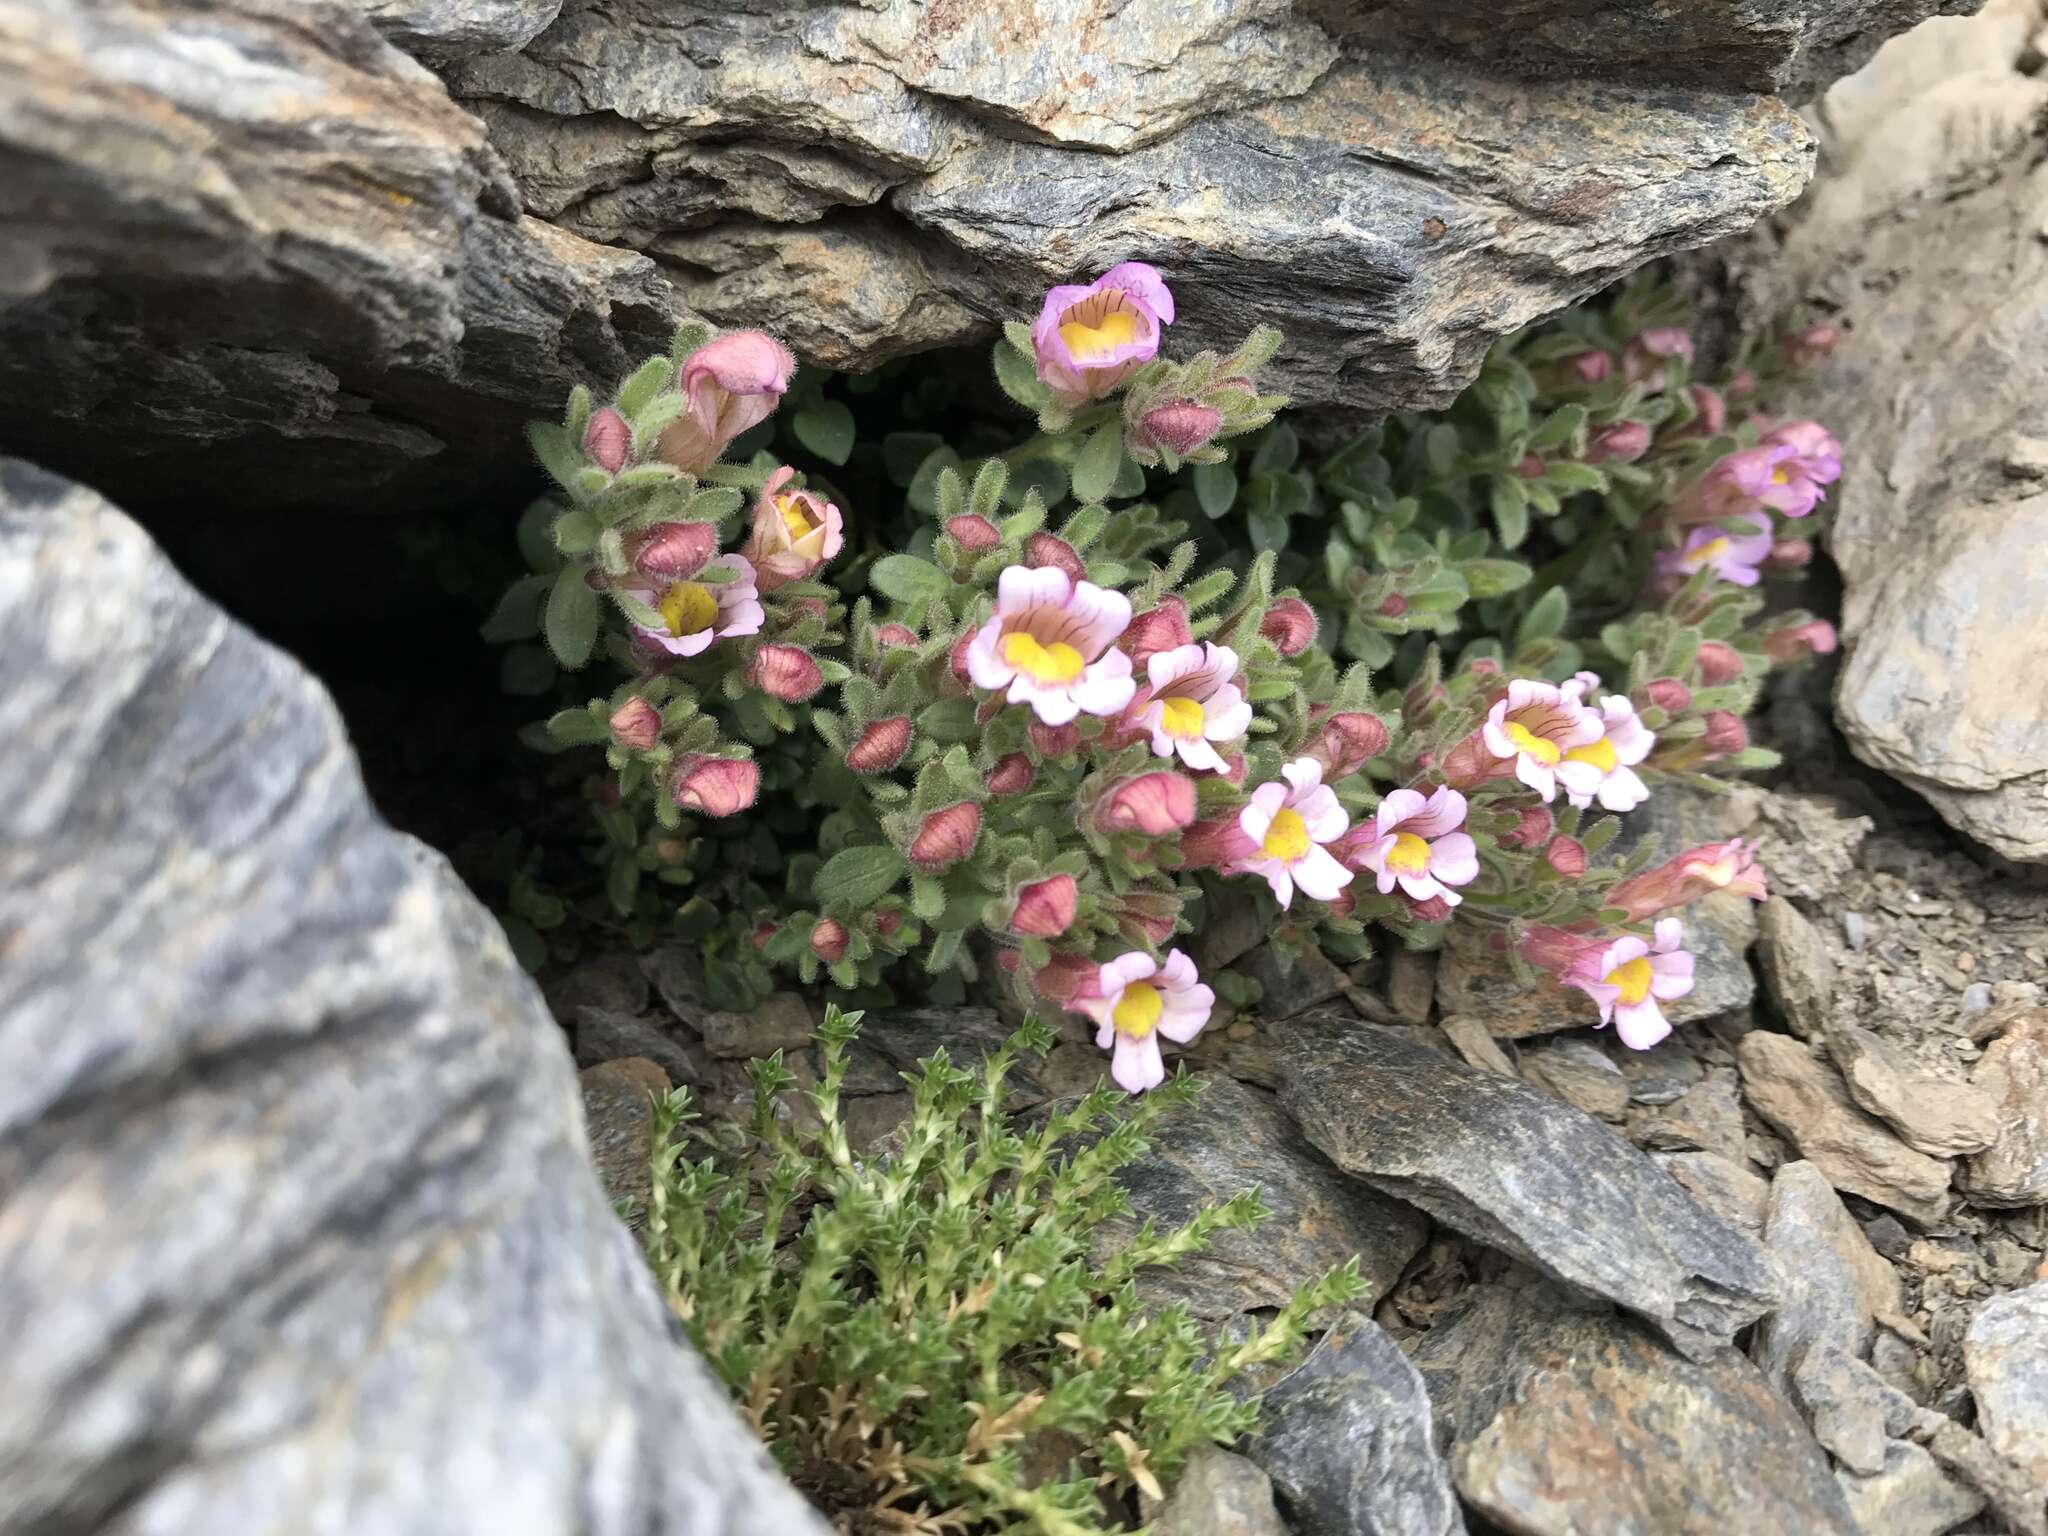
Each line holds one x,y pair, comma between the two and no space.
1563,1423
298,1225
1832,1285
2006,1354
251,247
1935,1115
1513,1168
449,29
1348,1442
1219,1493
1909,1495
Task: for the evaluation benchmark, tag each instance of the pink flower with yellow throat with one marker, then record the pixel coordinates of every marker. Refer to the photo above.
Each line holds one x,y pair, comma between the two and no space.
728,385
1419,844
1289,824
1628,978
1134,1001
1734,557
1049,644
1730,866
1535,724
1089,337
1605,770
696,613
1191,702
793,533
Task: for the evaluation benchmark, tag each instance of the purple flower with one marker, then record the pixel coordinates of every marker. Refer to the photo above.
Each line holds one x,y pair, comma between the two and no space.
1810,462
1089,338
1731,556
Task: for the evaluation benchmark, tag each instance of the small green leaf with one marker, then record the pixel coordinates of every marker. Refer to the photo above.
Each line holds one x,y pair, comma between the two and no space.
1018,376
923,494
576,728
1545,618
826,429
517,616
1495,578
906,578
1510,500
1096,466
948,720
1216,488
1575,477
648,380
1267,528
856,878
559,453
1277,451
622,884
1561,426
573,616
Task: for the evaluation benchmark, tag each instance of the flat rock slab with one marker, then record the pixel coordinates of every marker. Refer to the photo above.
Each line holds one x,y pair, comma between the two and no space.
1348,1442
363,1277
1910,1495
1832,1285
1564,1423
1234,1138
1935,1115
1517,1170
1795,1088
2006,1355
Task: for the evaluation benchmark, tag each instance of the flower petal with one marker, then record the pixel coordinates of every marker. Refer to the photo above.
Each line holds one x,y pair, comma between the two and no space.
1640,1025
1454,858
1185,1013
1319,875
1400,805
1135,1064
1443,813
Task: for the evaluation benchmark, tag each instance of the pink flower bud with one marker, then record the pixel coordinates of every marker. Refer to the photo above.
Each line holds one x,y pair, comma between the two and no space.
1148,918
1711,411
1719,663
1346,743
1740,385
673,551
956,659
793,533
671,850
1804,348
1434,910
1011,775
896,636
607,440
806,607
973,534
1043,549
1065,979
1052,741
1484,667
1469,764
1152,803
1591,367
880,746
828,940
728,385
1668,694
1215,844
636,725
1642,360
1530,467
1789,555
785,672
762,934
1625,441
717,786
1566,855
1725,735
1798,642
1291,625
1179,426
945,837
1532,831
887,921
1394,606
1045,908
1164,628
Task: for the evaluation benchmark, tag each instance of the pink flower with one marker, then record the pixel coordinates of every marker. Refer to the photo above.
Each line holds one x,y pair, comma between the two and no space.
1134,1001
717,786
1291,625
1604,770
1643,359
696,613
1048,645
1628,978
1731,556
880,745
829,940
1536,724
1088,339
1045,908
1192,702
794,532
730,384
1152,803
1625,441
636,725
1178,426
1697,872
785,672
1811,463
1421,845
1794,643
607,439
1156,629
1289,824
945,837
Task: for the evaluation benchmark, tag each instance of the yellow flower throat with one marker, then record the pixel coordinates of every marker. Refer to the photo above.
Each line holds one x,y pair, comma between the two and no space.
1138,1009
1632,977
1541,748
1181,717
1043,664
1087,342
688,608
1287,838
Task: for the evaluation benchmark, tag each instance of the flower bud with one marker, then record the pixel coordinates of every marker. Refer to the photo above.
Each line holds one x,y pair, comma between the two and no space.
728,385
1394,606
880,746
896,637
1052,741
1156,927
1164,628
1346,743
1434,910
1065,979
1625,441
608,440
1719,663
1043,549
1789,555
1012,775
785,672
1566,855
1804,348
1179,426
1291,625
828,940
1668,694
673,551
1741,383
1642,360
1045,908
717,786
1725,734
973,534
805,607
762,934
1152,803
1530,467
945,837
1484,667
1799,642
671,850
887,921
636,725
1532,831
1710,410
1215,844
956,659
1591,367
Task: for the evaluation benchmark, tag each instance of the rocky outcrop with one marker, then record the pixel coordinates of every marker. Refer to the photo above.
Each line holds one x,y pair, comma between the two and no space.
250,242
298,1225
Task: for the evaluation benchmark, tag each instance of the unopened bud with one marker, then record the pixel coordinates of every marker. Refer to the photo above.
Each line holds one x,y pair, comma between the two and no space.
1434,910
1710,410
945,837
674,551
1043,549
636,725
1532,831
1045,908
608,440
1164,628
828,940
1346,743
1799,642
1012,775
896,637
880,746
1052,741
1668,694
1179,426
1591,367
1394,606
1804,348
1725,734
1566,855
1719,663
1624,442
973,533
1789,555
717,786
1291,625
1152,803
1530,467
762,934
1215,844
785,672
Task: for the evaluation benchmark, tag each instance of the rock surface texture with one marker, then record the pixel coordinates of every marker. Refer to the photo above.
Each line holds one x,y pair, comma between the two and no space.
308,268
298,1226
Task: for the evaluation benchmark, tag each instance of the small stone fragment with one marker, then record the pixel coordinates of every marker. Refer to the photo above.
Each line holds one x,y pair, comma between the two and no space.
1475,1042
1581,1074
2006,1355
1832,1285
2013,1170
1909,1495
1662,1074
1707,1118
2013,1493
1931,1114
1803,1096
1312,978
1798,970
1726,1188
1411,985
602,1035
781,1021
618,1114
1854,1411
1219,1494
